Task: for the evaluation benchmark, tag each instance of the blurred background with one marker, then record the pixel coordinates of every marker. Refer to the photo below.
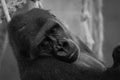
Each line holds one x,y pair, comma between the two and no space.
111,15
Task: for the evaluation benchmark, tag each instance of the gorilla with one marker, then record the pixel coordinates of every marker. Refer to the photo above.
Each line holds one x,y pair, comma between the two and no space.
46,50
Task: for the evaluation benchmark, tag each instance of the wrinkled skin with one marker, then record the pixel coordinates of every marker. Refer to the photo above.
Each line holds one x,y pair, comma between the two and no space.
46,50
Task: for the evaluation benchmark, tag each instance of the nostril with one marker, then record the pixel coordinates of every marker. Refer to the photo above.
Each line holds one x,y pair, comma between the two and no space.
65,44
68,46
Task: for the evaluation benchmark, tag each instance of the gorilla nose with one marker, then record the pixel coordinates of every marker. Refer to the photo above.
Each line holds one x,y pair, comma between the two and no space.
67,50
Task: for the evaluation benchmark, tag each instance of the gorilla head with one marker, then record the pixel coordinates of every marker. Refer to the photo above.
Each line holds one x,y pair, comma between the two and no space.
38,32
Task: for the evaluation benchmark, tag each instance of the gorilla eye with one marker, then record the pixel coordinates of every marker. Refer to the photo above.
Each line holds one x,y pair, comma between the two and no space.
65,44
22,27
53,31
56,29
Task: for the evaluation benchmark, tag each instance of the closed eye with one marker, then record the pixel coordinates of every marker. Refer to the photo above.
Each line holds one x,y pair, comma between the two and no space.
21,27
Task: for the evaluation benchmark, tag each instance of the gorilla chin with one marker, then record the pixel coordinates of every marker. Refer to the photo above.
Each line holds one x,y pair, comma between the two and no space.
46,50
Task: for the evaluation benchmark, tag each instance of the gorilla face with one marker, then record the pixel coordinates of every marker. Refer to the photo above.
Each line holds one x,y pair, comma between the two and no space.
59,44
